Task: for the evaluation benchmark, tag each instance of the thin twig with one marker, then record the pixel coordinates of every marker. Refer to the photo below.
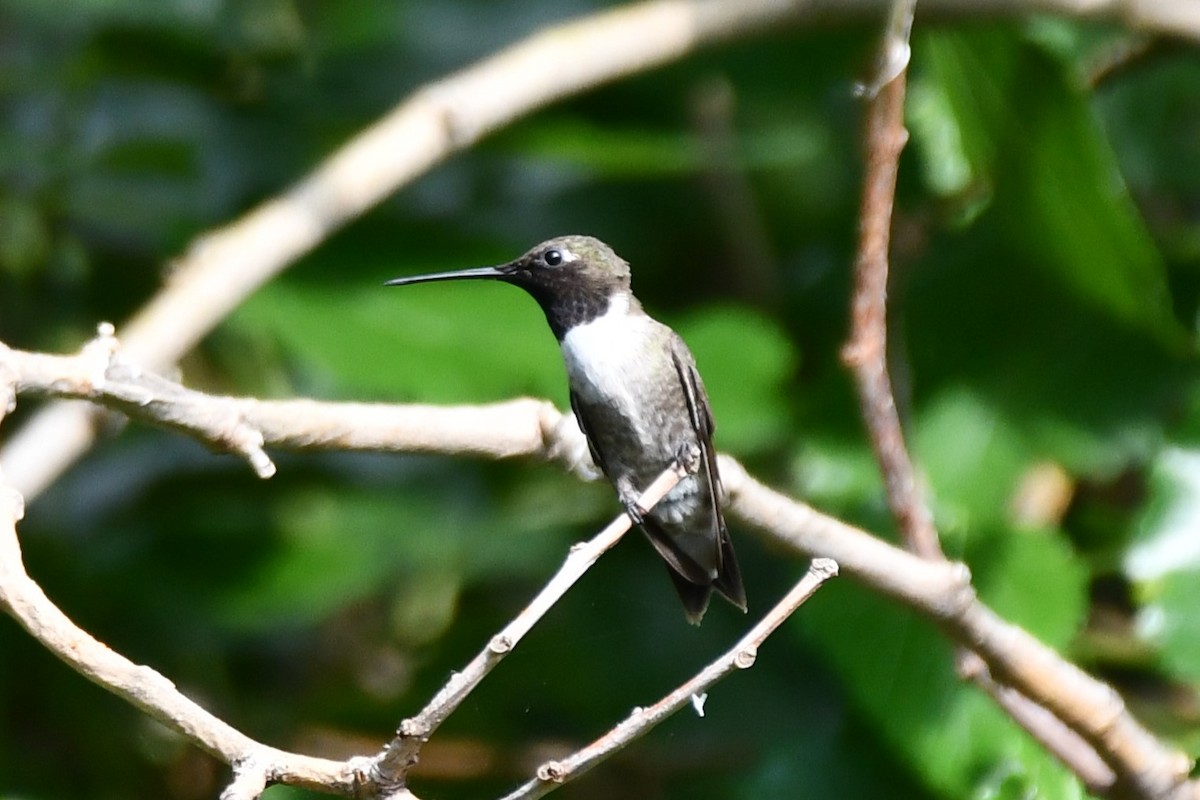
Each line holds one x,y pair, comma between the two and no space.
941,591
866,352
742,655
401,753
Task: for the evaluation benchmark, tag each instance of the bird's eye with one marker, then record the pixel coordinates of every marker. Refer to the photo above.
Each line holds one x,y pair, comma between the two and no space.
552,258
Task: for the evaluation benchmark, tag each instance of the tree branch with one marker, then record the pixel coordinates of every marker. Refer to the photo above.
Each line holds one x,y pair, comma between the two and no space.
103,374
255,765
866,352
225,266
400,755
23,599
553,774
1048,729
937,590
941,592
1091,733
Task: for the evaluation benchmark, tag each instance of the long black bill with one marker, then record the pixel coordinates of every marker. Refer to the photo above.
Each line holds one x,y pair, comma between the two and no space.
461,275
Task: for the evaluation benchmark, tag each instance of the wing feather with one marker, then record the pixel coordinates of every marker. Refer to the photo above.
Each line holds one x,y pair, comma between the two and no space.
729,577
581,418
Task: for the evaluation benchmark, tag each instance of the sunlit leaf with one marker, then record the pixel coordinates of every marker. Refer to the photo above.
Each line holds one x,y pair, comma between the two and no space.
971,454
1170,621
1164,558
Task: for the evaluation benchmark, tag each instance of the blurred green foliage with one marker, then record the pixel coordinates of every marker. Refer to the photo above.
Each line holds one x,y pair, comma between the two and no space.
1047,279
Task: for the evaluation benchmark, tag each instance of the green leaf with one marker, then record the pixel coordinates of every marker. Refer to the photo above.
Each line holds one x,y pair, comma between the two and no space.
1046,365
25,239
745,361
642,153
1170,621
1164,560
1059,190
461,343
838,473
339,546
612,152
1032,578
900,674
972,455
1165,538
938,136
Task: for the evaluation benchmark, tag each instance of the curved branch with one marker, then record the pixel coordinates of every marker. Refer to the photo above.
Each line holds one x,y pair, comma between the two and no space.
224,266
941,592
103,374
24,600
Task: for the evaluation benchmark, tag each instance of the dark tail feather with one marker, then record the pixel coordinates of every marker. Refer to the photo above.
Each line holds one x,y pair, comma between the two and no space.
729,577
690,579
694,596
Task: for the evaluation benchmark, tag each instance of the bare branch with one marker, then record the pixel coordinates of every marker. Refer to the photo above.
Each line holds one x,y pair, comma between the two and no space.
1088,731
742,655
102,374
401,753
140,685
866,352
938,590
941,591
249,781
255,765
223,267
896,51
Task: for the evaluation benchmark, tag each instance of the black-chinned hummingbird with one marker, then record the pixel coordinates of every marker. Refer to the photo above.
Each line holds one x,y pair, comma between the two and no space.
639,401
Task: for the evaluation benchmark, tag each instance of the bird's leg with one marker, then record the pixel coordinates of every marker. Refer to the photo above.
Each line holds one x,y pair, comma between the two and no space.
629,495
687,455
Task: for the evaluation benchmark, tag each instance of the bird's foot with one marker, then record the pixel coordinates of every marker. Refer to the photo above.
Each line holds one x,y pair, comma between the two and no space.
687,456
635,512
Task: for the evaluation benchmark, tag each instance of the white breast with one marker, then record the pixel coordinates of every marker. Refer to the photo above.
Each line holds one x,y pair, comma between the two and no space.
606,356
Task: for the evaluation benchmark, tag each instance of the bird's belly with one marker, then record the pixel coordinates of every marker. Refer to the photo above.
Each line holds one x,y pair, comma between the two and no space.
638,419
616,369
683,503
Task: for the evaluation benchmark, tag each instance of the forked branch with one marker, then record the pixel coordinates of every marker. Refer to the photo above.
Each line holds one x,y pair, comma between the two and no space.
742,655
1081,721
401,753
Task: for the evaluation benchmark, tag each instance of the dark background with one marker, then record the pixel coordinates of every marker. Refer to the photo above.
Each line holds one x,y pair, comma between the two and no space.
1046,280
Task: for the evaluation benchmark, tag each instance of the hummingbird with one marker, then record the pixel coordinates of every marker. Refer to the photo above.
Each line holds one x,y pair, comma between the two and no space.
639,401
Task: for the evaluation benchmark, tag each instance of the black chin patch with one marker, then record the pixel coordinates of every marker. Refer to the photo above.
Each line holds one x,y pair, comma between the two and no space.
567,298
